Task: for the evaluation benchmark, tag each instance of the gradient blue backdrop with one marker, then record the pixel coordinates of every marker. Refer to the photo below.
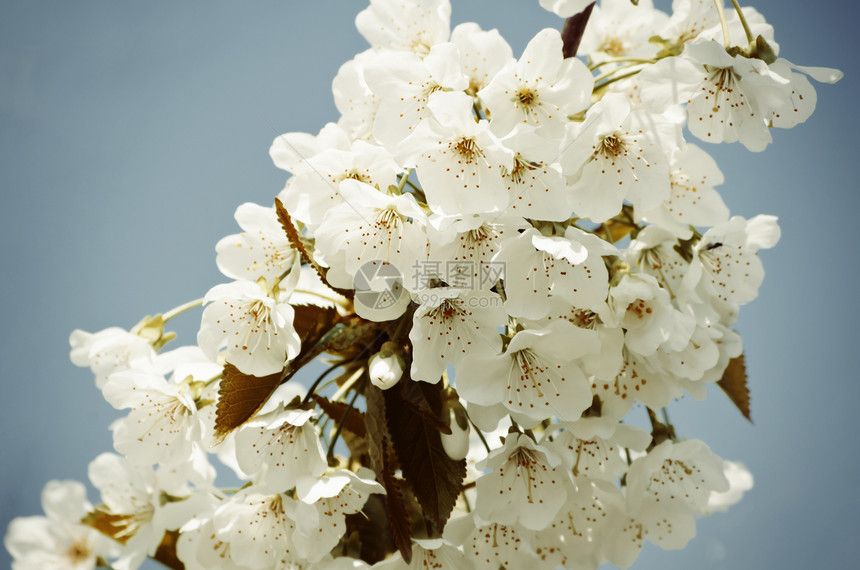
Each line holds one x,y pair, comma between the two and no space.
130,131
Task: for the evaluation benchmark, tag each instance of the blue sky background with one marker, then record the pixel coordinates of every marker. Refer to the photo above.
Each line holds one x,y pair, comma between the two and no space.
130,131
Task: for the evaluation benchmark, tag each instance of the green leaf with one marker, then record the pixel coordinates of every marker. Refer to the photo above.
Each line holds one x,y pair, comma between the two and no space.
734,384
435,478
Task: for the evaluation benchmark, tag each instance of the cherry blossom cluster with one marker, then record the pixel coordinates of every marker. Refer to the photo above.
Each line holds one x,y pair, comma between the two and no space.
517,255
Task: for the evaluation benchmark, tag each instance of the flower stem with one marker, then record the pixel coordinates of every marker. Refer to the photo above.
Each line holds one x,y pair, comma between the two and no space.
181,309
631,60
609,74
480,436
744,23
727,42
404,178
321,377
614,79
330,453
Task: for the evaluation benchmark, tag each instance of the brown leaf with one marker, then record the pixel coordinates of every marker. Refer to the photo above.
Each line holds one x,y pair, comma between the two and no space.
734,384
315,326
371,527
299,243
383,462
240,396
377,431
312,322
573,29
348,341
434,477
398,516
413,396
166,552
356,336
335,410
358,450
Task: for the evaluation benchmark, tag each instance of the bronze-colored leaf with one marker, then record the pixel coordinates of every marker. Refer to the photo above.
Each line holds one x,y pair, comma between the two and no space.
354,422
434,477
348,341
573,29
299,243
398,516
109,524
166,552
240,396
413,396
734,384
312,322
357,336
359,455
375,542
383,462
375,428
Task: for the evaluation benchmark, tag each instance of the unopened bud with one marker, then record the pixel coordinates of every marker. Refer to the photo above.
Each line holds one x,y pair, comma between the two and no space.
385,367
456,443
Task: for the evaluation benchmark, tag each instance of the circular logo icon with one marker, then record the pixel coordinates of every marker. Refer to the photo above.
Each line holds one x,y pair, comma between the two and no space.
379,292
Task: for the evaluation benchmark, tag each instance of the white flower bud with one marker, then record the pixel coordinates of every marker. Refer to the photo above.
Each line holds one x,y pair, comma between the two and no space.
386,367
456,443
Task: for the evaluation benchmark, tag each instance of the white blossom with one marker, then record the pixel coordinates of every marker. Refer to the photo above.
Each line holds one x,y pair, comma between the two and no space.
261,250
729,98
411,25
611,158
451,324
280,447
58,541
460,162
256,329
405,82
108,351
540,89
536,377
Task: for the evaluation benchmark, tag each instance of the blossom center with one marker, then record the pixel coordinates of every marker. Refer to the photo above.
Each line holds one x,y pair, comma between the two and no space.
613,46
468,149
639,309
584,319
526,461
612,146
529,365
526,96
388,218
521,166
725,83
78,552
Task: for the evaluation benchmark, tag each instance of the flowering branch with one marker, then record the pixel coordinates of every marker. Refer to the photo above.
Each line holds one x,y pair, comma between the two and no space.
562,256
